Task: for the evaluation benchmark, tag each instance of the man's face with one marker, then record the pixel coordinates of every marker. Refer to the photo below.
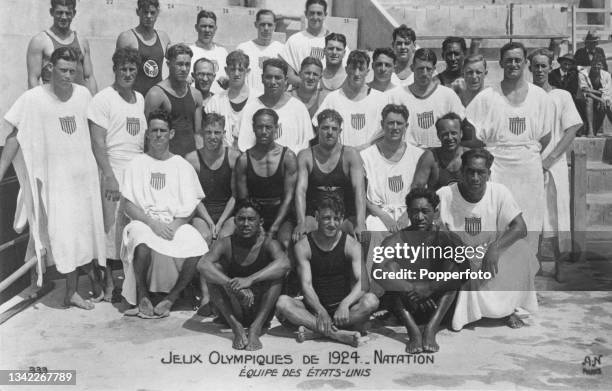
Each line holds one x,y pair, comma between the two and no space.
264,129
247,222
125,74
540,68
62,16
449,134
383,67
421,214
148,16
590,45
453,55
475,175
159,134
404,47
334,52
178,67
597,66
513,62
204,75
328,133
394,127
310,75
265,26
206,28
328,222
315,15
274,81
356,74
63,73
423,72
237,74
566,65
474,75
213,136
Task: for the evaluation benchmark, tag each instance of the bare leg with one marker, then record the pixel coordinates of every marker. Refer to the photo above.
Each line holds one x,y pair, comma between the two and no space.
91,269
232,315
432,327
360,312
72,297
203,228
142,261
589,115
185,277
109,283
268,301
284,234
415,345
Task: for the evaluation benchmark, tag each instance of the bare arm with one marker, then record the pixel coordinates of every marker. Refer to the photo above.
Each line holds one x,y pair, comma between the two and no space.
276,269
357,176
88,73
561,147
11,147
425,173
353,253
290,177
241,181
517,229
210,263
229,207
135,212
197,117
156,99
302,256
126,40
110,186
34,60
544,141
386,218
300,193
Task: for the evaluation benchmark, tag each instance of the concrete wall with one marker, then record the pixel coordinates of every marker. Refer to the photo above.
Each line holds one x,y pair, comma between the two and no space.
375,23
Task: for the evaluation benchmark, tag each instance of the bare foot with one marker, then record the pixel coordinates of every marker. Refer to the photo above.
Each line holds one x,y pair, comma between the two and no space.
514,322
108,293
304,334
254,342
163,308
146,307
429,341
347,337
99,298
246,298
415,345
205,310
240,339
77,301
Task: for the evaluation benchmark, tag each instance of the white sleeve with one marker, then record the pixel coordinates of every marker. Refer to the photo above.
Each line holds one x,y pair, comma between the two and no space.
507,208
289,54
569,113
306,131
246,137
455,104
98,111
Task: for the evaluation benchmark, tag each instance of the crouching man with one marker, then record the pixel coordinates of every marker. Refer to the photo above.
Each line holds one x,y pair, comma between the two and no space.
160,191
330,270
245,274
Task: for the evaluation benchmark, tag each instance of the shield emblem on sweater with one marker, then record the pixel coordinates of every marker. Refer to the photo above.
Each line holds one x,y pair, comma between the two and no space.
158,180
317,52
279,131
425,120
358,121
516,125
132,125
396,183
473,225
68,124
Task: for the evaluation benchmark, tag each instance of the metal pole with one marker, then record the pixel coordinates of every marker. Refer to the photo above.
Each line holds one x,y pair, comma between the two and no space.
17,274
573,29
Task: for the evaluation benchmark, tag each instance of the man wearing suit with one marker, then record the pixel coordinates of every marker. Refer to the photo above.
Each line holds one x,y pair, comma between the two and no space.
566,78
584,55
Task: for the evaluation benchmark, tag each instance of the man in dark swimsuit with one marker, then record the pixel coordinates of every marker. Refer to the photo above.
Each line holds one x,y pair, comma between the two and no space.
330,271
329,167
150,43
245,272
454,50
400,296
181,100
267,172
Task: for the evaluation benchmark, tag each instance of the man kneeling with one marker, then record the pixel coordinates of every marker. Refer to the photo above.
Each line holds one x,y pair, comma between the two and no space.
245,274
160,191
420,299
329,267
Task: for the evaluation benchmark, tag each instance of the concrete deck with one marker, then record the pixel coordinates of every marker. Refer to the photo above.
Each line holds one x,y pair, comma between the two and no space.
110,351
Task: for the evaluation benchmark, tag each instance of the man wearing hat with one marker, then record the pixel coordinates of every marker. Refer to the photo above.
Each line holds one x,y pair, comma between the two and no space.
566,76
584,55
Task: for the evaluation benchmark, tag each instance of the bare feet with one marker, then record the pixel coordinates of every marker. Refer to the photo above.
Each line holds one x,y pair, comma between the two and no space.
254,342
77,301
145,307
163,308
415,345
98,299
347,337
108,292
429,341
240,339
304,334
205,310
514,322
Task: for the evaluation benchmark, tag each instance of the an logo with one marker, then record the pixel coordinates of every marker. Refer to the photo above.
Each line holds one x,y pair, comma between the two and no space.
279,131
317,52
592,364
150,68
516,125
396,183
425,120
158,180
132,125
358,121
68,124
473,225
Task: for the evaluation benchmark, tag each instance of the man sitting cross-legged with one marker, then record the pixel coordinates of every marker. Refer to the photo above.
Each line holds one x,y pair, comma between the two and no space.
245,274
329,267
160,191
400,297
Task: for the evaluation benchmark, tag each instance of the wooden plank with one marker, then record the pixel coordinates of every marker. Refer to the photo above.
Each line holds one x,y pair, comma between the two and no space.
579,202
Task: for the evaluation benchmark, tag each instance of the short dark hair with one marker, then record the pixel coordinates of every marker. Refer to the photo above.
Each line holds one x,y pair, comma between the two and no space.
320,2
266,111
126,56
204,59
358,57
451,40
385,51
311,61
335,37
397,109
65,3
245,203
264,11
541,52
448,116
331,201
66,53
144,4
425,54
422,192
404,31
237,57
177,49
206,14
511,46
213,118
160,114
275,63
478,153
329,114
